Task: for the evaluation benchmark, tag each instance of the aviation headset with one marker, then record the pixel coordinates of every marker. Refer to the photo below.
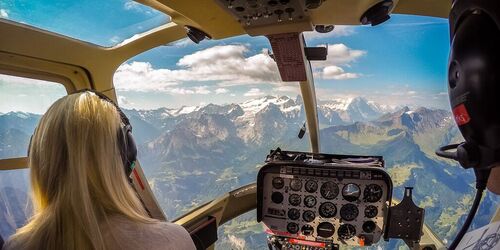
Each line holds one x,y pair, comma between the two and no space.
126,143
474,82
474,91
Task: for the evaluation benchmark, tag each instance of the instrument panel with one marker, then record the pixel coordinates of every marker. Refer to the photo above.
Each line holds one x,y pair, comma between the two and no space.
324,202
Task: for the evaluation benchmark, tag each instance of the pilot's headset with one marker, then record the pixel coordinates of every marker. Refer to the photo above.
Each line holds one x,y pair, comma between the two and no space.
474,82
126,143
474,91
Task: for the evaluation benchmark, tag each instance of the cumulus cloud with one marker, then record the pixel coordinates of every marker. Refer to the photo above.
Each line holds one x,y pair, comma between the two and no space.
337,73
227,65
224,66
123,101
4,13
141,76
340,54
254,92
221,91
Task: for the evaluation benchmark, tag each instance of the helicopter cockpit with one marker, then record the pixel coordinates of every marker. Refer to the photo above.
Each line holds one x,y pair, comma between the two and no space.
259,124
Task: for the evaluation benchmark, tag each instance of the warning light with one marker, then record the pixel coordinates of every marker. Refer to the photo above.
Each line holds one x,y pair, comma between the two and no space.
307,243
362,241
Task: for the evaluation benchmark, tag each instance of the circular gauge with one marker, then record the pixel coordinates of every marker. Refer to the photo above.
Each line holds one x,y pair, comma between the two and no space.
346,231
294,199
351,192
311,186
371,211
293,214
292,227
325,229
349,212
278,182
372,193
296,184
308,216
327,210
307,230
369,226
277,197
329,190
310,201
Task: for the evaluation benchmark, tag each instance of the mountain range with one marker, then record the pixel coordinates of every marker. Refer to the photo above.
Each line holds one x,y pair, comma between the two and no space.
194,154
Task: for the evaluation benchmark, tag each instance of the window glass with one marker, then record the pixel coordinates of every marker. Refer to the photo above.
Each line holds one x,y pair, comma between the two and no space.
22,102
15,206
206,115
105,23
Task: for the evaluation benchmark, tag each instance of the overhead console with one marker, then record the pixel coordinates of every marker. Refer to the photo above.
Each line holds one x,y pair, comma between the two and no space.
258,17
321,200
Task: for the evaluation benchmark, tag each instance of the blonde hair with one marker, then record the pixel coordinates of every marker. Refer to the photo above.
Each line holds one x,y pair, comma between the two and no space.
77,176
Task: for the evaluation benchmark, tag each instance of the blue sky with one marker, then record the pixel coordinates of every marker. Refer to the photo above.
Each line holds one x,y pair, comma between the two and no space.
401,62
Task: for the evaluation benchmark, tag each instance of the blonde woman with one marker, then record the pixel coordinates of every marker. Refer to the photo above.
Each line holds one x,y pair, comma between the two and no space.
81,196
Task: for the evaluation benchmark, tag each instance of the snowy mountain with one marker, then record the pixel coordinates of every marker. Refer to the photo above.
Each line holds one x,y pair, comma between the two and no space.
194,154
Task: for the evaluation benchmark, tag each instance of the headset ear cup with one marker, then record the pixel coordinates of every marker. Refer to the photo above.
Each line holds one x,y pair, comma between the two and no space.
468,155
131,149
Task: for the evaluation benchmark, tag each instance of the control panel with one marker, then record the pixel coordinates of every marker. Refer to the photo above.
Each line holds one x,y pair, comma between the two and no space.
331,199
265,12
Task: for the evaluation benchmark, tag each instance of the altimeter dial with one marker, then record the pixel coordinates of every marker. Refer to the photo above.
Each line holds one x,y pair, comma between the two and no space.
296,184
349,212
372,193
329,190
327,210
346,231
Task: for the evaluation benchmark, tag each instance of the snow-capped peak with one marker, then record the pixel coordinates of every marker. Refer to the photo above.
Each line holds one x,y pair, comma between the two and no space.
256,105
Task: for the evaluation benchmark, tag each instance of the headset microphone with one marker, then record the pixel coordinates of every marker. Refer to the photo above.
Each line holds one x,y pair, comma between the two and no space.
473,88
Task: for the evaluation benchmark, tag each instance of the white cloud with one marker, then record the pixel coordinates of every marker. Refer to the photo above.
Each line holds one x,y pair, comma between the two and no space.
200,90
338,31
221,91
337,73
254,92
224,66
295,88
340,54
411,92
8,79
141,76
227,65
4,13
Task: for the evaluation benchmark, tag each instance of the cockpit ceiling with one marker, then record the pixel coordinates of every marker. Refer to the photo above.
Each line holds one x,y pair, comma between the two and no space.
217,20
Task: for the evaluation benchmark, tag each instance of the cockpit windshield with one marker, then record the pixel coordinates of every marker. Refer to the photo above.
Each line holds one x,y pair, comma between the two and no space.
207,115
105,23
